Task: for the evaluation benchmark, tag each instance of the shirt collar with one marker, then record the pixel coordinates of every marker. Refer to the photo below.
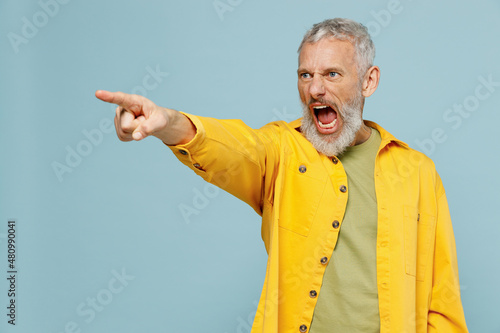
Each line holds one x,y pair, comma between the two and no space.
387,137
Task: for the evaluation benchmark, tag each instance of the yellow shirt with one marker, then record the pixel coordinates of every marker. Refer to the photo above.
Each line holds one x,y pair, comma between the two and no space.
301,196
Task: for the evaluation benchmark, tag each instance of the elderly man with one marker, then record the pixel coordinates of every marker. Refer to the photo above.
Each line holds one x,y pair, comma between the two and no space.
356,223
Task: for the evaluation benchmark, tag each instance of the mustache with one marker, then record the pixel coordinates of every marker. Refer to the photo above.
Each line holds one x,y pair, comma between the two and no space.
337,108
356,101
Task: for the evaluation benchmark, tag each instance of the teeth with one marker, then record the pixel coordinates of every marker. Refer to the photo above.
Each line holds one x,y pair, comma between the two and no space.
320,107
330,125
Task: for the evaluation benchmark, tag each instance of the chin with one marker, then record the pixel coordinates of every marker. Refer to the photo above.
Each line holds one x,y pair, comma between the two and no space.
335,143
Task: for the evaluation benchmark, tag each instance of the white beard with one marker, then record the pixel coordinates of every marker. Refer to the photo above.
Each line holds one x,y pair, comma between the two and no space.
335,144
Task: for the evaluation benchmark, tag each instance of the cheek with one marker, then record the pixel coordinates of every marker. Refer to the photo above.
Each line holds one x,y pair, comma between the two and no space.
302,92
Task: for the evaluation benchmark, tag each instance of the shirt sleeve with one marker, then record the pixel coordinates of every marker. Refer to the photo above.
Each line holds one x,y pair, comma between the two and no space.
233,156
446,311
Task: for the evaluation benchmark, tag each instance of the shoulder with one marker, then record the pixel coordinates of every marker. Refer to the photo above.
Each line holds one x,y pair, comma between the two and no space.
408,161
400,149
290,135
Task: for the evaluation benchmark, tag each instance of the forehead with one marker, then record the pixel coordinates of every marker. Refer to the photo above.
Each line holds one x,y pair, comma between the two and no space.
326,53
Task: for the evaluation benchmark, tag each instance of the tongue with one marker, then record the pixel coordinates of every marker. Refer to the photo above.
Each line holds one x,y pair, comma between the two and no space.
326,115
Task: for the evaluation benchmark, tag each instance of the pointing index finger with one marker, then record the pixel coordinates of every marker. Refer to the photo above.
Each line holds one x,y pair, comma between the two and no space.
124,100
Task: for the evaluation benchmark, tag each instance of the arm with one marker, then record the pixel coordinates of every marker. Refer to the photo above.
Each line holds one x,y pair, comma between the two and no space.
234,157
226,153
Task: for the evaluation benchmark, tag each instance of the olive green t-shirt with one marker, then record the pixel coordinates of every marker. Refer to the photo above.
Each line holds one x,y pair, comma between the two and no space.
348,299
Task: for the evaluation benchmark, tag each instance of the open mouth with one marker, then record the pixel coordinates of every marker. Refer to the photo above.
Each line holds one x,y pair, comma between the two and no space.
325,117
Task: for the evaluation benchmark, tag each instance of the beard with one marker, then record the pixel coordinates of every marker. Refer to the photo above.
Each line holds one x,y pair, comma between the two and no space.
334,144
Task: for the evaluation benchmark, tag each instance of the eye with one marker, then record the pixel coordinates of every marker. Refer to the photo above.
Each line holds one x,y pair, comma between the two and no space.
333,74
305,75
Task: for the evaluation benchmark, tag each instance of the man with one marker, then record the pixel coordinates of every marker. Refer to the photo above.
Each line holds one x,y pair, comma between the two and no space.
355,222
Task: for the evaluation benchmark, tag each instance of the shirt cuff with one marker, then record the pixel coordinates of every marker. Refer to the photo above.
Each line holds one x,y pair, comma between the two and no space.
184,152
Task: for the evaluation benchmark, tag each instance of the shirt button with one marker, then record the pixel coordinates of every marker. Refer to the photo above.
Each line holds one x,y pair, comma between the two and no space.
302,168
197,165
336,224
313,293
335,160
343,188
183,152
303,328
324,260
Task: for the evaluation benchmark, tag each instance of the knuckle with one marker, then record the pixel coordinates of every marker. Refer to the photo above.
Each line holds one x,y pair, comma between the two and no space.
127,127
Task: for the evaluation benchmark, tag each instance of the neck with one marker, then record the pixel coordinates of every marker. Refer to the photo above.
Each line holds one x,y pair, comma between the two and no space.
362,135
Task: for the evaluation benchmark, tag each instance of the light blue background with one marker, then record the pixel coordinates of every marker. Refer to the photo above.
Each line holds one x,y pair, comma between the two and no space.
119,208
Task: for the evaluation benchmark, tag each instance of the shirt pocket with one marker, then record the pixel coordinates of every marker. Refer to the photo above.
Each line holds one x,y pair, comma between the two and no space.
300,198
419,232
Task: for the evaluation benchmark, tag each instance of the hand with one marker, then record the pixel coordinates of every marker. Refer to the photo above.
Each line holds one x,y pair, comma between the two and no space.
138,117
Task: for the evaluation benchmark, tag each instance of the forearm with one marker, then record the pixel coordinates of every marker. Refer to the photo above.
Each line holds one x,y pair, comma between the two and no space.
232,156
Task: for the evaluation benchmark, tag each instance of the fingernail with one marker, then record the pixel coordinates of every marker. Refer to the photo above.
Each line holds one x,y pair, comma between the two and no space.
137,136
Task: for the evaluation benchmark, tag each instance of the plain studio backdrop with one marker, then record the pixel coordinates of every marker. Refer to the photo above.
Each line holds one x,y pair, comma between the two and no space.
120,237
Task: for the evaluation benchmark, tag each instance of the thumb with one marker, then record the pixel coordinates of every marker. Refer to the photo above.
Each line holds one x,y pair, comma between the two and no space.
140,132
145,128
138,135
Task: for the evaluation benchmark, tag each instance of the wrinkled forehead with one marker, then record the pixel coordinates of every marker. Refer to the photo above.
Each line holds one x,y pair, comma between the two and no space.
328,52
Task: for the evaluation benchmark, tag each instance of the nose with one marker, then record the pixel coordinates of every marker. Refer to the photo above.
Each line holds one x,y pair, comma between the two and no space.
317,87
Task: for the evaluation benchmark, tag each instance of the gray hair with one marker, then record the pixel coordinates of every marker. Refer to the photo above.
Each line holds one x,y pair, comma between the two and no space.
345,29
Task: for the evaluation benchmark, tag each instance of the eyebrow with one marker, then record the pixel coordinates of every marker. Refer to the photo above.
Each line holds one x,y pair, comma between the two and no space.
328,70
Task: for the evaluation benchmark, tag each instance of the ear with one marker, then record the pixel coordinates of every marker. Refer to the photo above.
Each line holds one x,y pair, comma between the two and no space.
370,81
